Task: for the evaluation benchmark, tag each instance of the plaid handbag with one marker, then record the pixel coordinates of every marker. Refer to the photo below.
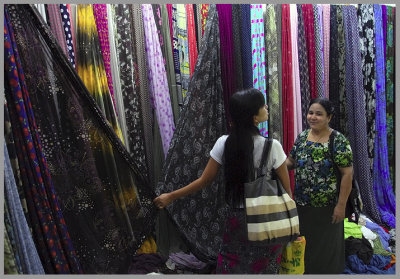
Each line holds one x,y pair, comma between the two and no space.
271,215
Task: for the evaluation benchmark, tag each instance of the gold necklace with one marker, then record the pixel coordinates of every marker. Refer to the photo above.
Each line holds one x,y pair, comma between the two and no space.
317,141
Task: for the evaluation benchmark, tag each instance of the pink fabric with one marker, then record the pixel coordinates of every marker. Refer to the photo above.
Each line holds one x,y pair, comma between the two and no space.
191,38
57,26
171,30
326,8
158,83
100,15
308,18
296,73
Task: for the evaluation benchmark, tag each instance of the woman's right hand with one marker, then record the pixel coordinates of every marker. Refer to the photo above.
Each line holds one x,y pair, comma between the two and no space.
163,200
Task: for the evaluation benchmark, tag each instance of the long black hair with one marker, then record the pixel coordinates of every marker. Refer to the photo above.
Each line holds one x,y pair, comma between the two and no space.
243,106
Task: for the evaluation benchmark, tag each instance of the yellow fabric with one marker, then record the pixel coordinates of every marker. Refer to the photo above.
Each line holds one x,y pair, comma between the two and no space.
292,261
149,246
352,229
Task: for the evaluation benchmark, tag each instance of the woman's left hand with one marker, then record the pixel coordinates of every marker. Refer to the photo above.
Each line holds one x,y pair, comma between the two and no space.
338,214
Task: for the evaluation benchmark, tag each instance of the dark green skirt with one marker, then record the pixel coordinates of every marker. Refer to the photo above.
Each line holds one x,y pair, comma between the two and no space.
324,241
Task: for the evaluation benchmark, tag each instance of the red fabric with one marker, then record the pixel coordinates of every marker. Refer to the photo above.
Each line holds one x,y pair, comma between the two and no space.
308,18
169,10
287,86
191,37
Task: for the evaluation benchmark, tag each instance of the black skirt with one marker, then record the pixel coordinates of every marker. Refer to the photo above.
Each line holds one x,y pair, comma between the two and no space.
324,253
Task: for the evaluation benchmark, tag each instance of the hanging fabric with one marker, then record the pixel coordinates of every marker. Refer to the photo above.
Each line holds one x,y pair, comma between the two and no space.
287,86
56,25
199,217
384,195
42,11
129,83
303,67
271,43
68,33
308,18
384,31
105,200
258,56
278,22
72,20
10,264
204,15
183,47
366,29
333,80
227,58
175,44
191,37
319,67
326,11
389,86
356,111
49,228
342,72
297,114
158,83
247,68
237,46
29,257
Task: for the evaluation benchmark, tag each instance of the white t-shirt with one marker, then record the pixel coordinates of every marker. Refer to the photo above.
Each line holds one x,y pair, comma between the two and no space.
276,157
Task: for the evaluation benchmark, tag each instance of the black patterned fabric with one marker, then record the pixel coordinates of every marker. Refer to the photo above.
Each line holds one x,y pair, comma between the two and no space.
356,112
366,29
318,53
303,67
105,199
200,217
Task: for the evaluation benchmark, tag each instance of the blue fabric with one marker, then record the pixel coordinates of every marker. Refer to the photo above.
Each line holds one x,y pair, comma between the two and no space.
27,252
383,189
376,266
384,236
246,47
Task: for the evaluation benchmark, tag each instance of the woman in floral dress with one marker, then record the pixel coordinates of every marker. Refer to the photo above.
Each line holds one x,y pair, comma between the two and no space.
320,207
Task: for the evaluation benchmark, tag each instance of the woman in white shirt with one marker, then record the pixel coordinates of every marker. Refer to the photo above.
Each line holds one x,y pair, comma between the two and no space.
243,146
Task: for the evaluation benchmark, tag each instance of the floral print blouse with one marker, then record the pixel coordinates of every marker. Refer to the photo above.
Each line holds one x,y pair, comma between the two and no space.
315,178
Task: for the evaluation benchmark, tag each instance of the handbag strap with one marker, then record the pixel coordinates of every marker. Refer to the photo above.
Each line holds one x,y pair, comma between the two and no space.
260,171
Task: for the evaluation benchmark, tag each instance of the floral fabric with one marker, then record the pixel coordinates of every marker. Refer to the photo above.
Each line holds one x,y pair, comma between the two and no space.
315,178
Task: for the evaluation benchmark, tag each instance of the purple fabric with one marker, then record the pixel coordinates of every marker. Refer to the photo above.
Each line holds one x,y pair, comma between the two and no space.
383,235
382,183
227,63
158,83
187,260
384,24
146,263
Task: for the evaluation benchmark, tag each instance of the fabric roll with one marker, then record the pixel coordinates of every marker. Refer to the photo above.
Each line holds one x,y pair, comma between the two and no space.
295,72
246,47
131,115
319,67
146,109
176,51
169,59
114,67
356,111
158,84
29,256
183,47
49,228
381,178
342,73
258,56
199,217
326,33
227,54
303,67
68,34
191,38
366,29
100,16
237,38
271,52
389,86
56,25
287,86
308,18
334,69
